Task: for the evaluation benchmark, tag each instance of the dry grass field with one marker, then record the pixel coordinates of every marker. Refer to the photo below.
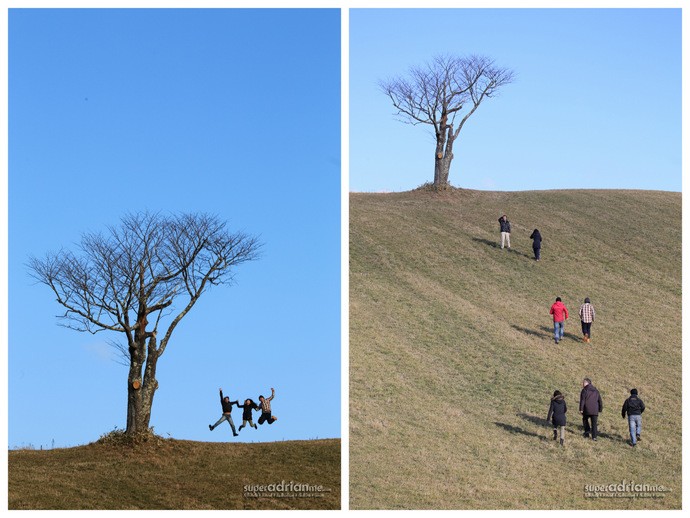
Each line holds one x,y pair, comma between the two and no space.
452,361
173,474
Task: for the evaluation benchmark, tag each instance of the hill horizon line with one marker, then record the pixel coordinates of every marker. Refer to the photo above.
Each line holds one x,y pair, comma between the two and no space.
427,187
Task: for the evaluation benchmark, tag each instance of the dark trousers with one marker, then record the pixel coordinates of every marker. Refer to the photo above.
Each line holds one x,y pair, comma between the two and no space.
587,328
537,252
588,428
266,416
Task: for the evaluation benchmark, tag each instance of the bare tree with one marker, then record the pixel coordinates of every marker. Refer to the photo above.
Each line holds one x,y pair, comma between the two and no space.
436,93
130,278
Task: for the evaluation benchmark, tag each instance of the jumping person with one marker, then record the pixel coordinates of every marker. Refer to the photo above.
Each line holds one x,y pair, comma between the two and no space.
557,409
505,230
266,409
590,406
536,244
560,314
248,406
587,315
634,407
227,410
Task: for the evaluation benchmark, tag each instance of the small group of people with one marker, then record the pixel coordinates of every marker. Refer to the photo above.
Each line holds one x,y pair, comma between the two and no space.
558,310
560,314
247,408
505,237
590,399
591,406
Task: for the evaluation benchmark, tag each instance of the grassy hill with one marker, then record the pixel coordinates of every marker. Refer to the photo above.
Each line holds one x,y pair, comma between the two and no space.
452,361
173,474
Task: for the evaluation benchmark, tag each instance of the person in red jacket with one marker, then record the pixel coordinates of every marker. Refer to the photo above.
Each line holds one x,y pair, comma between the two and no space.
560,315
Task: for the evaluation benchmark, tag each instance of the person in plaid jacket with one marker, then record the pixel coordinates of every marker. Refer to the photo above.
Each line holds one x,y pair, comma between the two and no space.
265,404
587,315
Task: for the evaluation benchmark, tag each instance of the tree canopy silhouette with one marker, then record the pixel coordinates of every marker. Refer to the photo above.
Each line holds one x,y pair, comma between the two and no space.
436,93
134,276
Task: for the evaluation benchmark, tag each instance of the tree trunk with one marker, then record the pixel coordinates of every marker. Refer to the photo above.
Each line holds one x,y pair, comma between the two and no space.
443,158
140,391
441,171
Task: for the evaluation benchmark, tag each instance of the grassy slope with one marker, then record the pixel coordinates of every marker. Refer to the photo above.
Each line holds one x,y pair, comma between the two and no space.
451,357
173,475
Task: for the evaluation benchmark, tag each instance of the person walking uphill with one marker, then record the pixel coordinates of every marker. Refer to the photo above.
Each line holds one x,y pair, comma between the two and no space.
587,315
590,407
634,407
557,409
560,314
536,243
505,230
227,409
266,409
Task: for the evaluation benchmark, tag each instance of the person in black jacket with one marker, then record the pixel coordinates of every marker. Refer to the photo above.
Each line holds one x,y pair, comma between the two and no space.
634,407
247,408
590,407
557,409
227,409
536,244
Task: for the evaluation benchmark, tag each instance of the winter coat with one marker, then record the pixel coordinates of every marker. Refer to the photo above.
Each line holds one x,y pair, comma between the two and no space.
247,410
227,406
559,311
505,224
633,406
587,313
590,401
537,239
557,409
266,403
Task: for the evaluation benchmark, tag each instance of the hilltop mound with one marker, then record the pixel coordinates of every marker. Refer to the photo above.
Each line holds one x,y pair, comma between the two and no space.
451,357
174,474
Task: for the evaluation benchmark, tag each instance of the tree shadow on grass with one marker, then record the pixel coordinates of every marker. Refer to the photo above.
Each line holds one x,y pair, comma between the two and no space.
521,431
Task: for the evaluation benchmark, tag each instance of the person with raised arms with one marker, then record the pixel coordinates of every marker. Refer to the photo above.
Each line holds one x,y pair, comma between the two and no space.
265,404
226,404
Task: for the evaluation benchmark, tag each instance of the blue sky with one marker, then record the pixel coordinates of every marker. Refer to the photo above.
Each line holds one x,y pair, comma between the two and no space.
596,102
230,112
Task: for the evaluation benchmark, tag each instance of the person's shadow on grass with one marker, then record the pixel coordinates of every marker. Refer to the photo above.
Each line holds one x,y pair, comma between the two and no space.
549,330
534,419
530,332
487,242
496,245
516,429
578,430
604,435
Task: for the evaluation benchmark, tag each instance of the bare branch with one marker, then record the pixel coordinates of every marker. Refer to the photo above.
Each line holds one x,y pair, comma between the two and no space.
140,268
434,94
